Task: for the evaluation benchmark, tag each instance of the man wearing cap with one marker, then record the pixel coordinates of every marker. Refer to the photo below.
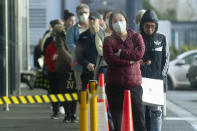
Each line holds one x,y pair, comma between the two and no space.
86,51
72,36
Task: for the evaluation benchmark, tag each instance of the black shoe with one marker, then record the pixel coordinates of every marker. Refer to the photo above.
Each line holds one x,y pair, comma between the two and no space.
74,119
55,116
67,119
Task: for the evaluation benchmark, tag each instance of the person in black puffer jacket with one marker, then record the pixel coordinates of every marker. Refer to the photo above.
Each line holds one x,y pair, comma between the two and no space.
154,64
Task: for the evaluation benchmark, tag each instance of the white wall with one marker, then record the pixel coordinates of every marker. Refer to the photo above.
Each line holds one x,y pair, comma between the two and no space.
165,28
71,5
53,10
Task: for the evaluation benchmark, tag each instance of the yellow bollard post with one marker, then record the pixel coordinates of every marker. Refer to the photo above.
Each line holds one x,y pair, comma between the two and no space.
93,105
83,108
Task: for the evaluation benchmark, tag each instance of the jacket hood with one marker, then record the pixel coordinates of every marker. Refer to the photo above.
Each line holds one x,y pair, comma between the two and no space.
149,16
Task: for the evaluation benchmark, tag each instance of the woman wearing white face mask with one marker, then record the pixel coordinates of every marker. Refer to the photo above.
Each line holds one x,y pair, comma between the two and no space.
122,51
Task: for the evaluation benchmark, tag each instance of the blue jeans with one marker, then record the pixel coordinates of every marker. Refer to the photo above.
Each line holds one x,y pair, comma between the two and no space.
153,116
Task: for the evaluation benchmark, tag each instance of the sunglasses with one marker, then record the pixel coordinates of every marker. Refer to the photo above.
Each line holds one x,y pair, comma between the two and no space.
150,26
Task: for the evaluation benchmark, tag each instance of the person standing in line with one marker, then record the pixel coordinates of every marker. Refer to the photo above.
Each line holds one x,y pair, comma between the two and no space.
46,40
101,21
154,64
86,49
101,65
50,59
72,37
65,76
123,51
47,37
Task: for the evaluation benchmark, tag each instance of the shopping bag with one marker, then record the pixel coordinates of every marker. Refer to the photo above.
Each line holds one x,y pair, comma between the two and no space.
153,93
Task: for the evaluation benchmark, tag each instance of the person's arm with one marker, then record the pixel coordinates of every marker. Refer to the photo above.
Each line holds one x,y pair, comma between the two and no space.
79,52
137,52
99,45
110,56
165,58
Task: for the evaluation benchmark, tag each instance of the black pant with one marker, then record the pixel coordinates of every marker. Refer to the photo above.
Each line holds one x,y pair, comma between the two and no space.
67,84
115,95
54,90
85,77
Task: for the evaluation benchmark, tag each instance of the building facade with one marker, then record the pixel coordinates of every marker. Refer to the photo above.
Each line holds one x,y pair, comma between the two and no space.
13,25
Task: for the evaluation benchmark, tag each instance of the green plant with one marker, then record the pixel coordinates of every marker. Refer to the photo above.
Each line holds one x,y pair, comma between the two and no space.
173,52
185,47
147,5
169,14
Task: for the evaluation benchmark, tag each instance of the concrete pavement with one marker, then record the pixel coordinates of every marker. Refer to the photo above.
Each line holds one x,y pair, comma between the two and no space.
36,117
32,117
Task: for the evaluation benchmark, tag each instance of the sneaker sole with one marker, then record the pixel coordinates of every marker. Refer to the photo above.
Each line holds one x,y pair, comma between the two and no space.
55,118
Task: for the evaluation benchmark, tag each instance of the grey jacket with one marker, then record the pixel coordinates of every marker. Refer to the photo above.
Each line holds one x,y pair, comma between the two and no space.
100,62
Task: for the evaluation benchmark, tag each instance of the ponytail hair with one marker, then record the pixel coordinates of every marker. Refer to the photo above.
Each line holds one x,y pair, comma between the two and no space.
67,14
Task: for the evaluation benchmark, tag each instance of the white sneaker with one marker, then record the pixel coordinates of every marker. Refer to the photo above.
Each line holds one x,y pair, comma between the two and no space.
61,110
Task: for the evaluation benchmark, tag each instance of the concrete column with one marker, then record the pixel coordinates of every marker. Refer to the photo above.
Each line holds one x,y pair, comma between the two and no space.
132,7
27,35
5,65
19,40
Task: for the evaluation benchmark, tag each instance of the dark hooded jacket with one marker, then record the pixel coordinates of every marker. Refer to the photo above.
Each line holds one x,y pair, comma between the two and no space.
156,50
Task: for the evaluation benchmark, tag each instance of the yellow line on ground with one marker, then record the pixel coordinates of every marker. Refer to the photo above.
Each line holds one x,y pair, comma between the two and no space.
75,96
46,98
1,102
61,98
39,100
68,97
22,98
53,98
7,100
31,100
15,100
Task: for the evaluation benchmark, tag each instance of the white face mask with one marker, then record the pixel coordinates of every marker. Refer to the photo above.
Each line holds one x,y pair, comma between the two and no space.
119,26
83,17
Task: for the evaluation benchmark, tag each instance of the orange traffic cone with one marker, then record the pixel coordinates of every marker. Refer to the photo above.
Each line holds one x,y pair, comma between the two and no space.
103,124
127,117
101,89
